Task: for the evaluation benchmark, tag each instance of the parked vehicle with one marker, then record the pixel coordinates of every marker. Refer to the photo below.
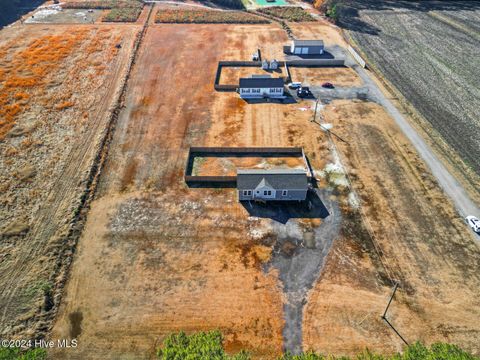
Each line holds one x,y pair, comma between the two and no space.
304,92
295,85
328,85
474,223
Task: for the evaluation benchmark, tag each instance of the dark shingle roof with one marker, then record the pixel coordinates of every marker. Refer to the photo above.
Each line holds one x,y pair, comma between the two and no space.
261,82
308,42
279,179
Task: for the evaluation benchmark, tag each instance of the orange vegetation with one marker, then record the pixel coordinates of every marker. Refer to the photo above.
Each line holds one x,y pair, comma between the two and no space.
28,71
64,105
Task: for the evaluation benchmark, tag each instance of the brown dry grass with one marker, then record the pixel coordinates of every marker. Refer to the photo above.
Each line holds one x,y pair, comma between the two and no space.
433,260
59,146
337,76
190,259
28,70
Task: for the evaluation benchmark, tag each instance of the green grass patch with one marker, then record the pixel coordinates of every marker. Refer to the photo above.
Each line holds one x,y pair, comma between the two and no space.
42,287
207,17
209,345
122,15
17,354
290,13
198,346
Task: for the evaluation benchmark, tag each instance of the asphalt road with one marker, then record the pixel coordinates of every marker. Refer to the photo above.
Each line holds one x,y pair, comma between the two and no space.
465,206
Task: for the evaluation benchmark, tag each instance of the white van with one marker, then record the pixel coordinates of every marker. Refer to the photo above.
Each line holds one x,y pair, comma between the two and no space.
295,85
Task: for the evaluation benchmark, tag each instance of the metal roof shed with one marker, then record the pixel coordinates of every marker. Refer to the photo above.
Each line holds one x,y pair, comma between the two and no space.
307,47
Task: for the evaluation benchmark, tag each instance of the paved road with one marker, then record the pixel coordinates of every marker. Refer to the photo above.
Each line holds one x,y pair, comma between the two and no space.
447,181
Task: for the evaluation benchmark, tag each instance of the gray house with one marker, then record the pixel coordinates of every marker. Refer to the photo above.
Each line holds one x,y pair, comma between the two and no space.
277,184
307,47
260,86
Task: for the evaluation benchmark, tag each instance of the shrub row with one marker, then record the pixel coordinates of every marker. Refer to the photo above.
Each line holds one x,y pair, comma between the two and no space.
208,17
122,15
103,5
294,13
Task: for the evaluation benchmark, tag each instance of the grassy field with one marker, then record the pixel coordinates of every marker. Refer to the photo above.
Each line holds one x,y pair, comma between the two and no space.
429,53
207,17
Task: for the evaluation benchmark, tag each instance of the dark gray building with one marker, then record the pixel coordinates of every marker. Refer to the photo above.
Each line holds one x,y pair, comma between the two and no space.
276,184
307,47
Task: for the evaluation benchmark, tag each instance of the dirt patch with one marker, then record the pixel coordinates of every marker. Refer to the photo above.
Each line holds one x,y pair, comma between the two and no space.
224,166
317,76
231,75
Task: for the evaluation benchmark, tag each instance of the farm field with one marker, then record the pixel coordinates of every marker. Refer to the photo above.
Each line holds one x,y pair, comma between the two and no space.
157,257
202,16
428,53
58,86
290,13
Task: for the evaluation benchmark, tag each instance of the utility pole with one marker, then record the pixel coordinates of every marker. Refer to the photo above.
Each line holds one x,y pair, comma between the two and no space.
384,316
315,112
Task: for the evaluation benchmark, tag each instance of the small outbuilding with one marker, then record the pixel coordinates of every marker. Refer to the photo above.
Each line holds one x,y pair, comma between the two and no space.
261,86
270,185
273,64
307,47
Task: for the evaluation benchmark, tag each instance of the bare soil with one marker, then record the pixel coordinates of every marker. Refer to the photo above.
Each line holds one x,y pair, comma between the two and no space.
224,166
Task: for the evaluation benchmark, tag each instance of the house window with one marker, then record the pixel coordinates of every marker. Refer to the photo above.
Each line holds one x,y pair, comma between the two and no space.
267,192
247,192
273,90
284,192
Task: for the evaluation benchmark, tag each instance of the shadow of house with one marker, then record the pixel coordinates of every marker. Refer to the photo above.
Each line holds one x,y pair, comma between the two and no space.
325,55
282,211
287,99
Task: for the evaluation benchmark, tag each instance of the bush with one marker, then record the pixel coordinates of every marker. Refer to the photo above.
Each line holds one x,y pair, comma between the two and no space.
122,15
198,346
208,17
209,345
293,13
417,351
17,354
